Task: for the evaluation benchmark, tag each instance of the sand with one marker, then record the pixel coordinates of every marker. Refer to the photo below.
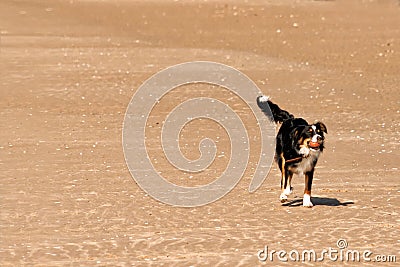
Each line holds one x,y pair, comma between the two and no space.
70,68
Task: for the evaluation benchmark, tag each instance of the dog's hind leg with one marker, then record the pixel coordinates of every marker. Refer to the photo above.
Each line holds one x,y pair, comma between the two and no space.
288,188
286,185
283,197
285,181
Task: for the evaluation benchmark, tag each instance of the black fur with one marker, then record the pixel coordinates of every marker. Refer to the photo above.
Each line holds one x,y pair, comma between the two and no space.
279,115
295,153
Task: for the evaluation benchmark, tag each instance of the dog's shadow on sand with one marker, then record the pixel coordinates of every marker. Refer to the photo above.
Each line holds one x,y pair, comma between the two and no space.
318,201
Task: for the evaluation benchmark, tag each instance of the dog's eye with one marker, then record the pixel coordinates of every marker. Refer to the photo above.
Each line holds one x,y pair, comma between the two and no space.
310,130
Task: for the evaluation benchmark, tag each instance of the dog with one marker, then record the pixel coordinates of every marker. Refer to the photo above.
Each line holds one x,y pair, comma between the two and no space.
298,147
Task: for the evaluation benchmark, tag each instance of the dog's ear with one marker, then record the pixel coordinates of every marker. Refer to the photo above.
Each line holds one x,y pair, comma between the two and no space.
321,126
296,136
295,133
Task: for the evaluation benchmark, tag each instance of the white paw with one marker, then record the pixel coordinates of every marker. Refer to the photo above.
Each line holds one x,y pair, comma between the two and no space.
283,197
288,190
307,201
304,151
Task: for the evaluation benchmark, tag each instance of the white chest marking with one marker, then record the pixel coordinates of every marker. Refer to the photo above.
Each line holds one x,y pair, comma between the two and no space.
306,164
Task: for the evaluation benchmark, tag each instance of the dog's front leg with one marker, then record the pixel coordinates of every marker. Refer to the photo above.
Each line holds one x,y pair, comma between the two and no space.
307,190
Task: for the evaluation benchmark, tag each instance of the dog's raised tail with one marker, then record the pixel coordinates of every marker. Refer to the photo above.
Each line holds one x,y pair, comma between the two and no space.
279,115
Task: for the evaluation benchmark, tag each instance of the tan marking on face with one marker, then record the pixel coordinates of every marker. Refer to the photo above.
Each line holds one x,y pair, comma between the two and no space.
304,142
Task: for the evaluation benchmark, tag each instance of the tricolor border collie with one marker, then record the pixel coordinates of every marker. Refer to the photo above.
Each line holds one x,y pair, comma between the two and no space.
298,146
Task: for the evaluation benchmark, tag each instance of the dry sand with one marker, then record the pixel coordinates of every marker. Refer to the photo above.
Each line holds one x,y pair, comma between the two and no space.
69,69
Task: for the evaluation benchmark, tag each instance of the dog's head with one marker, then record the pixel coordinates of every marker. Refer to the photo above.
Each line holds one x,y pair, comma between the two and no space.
311,136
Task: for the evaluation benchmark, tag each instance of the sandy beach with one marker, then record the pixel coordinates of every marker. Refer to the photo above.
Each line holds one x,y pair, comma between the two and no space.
70,68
